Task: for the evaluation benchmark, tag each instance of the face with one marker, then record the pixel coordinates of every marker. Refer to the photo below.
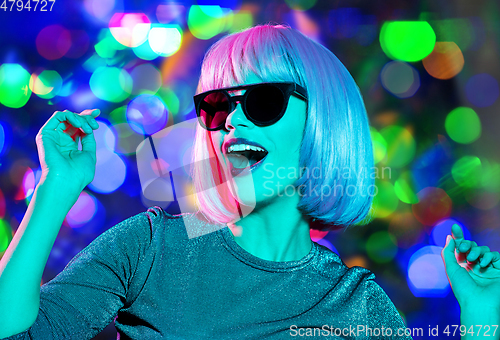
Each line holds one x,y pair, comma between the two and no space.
273,178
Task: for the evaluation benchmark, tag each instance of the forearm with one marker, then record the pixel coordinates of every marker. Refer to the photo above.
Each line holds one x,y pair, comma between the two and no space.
481,324
22,265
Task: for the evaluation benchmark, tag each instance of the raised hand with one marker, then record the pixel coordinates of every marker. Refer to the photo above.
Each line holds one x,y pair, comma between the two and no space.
474,274
58,148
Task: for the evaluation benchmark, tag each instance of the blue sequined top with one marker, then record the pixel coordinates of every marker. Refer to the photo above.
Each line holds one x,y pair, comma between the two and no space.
160,284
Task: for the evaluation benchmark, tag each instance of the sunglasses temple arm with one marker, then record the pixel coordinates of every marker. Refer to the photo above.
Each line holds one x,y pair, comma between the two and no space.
300,94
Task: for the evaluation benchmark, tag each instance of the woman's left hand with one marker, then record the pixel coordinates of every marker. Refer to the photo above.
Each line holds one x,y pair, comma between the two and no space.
473,272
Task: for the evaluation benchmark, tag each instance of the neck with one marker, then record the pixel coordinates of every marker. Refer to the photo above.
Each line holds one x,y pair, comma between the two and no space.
274,232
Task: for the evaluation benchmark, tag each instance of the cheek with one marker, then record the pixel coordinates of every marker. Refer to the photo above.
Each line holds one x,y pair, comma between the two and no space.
290,138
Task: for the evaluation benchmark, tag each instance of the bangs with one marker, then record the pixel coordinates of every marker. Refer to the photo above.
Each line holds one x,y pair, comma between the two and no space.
263,51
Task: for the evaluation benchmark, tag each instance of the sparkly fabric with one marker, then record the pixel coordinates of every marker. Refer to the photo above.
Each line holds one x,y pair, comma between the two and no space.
162,285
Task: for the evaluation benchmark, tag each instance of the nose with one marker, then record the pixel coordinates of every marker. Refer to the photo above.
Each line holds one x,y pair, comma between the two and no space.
237,117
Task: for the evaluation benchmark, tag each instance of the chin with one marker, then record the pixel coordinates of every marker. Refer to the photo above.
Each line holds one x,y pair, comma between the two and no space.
243,191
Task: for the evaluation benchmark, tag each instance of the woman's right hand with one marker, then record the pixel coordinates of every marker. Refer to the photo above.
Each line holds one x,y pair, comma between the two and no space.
57,143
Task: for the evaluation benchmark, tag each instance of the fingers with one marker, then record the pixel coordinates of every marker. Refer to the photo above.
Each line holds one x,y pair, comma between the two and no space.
70,122
89,144
93,113
466,245
90,124
448,255
457,234
85,118
59,117
492,258
470,251
477,252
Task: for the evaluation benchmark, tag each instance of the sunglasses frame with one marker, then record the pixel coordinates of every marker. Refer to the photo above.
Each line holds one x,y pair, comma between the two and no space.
287,88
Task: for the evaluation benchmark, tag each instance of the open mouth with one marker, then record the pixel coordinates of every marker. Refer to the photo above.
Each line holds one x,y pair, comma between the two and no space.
245,160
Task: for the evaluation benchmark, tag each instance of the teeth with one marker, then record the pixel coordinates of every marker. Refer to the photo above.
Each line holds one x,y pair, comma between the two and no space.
243,147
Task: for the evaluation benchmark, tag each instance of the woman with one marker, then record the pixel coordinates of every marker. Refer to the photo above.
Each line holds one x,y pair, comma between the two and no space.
275,110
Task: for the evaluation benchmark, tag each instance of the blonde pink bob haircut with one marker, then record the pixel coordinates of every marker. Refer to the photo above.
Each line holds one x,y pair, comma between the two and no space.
336,141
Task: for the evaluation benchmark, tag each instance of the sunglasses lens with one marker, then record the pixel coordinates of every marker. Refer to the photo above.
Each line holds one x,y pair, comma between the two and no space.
264,103
214,110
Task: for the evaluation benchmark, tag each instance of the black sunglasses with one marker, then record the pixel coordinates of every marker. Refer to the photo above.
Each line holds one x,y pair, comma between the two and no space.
263,104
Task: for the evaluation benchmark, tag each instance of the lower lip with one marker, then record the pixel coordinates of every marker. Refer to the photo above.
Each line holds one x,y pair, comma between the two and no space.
245,171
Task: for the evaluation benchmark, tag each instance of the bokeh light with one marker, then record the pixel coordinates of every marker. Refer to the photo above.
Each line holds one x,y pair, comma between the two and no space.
482,199
165,40
28,183
127,139
445,61
111,84
145,52
300,5
118,115
130,29
385,201
400,78
171,100
407,40
232,4
2,140
146,78
490,179
147,114
2,204
434,205
14,85
457,30
407,230
241,19
443,229
5,235
381,246
104,136
306,24
79,44
401,146
110,172
426,273
68,88
379,145
463,125
53,42
467,171
356,261
99,8
169,12
105,48
405,188
205,22
82,211
47,84
482,90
